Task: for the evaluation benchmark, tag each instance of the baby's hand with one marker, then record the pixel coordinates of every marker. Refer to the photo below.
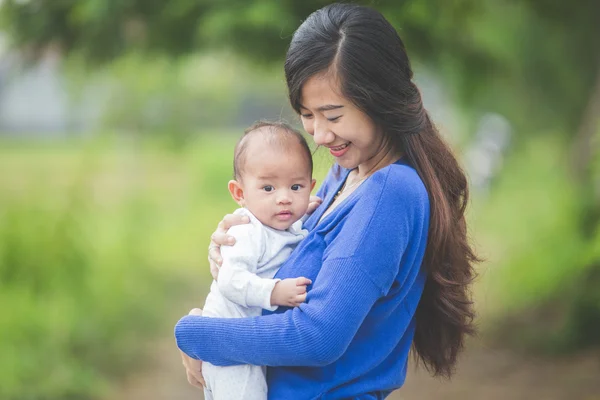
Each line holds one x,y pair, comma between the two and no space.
290,292
313,203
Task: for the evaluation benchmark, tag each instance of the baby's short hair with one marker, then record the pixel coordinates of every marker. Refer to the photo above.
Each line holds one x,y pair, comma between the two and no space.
279,133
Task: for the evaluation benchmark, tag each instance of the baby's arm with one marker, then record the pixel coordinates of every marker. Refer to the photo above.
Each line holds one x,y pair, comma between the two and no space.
239,283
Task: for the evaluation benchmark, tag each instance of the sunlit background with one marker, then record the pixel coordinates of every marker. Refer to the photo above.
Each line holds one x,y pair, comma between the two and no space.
117,125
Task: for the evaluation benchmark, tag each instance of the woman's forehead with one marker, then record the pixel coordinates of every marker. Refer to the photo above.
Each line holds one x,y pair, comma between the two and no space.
320,91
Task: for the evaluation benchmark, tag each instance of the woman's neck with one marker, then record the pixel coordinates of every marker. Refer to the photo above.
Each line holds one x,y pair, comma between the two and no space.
375,163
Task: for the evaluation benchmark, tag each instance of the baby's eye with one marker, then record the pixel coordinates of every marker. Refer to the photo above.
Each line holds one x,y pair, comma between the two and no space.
296,187
268,188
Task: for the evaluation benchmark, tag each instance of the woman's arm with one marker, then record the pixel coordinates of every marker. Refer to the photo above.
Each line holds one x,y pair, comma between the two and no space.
315,333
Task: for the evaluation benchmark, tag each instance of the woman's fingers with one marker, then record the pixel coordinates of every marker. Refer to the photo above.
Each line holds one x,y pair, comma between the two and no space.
214,252
193,381
231,220
214,268
192,366
193,369
221,239
195,311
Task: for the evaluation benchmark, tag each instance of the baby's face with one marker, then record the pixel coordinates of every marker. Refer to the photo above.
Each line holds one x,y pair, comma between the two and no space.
277,185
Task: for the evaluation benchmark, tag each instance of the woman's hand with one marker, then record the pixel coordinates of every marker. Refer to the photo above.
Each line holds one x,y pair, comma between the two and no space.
193,367
220,238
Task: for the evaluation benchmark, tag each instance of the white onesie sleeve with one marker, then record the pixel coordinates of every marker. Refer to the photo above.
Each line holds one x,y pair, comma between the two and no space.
237,279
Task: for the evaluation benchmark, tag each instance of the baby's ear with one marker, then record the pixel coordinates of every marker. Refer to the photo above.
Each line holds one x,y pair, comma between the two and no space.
237,192
312,184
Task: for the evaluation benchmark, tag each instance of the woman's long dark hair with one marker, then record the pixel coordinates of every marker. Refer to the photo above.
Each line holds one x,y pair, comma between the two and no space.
364,52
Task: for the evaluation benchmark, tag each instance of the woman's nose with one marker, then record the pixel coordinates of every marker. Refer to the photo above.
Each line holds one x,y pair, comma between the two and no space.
322,135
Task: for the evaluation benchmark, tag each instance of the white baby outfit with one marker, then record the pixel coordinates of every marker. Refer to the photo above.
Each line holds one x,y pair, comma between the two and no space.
244,289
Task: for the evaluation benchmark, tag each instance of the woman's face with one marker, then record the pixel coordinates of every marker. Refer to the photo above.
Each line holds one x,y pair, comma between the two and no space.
336,123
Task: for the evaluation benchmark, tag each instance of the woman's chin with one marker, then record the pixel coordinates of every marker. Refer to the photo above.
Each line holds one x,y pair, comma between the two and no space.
346,162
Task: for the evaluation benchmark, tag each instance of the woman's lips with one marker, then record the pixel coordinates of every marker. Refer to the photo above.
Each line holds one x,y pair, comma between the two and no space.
339,151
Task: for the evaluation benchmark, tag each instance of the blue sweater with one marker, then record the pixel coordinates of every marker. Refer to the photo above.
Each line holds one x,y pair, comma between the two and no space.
352,337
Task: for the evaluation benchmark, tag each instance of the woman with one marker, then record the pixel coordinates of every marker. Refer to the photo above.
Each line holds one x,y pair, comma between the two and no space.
387,250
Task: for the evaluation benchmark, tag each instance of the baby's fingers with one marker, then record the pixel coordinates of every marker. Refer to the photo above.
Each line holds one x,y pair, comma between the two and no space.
300,289
302,281
313,204
300,298
315,199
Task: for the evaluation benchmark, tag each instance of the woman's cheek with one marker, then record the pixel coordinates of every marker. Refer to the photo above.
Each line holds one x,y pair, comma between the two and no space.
308,127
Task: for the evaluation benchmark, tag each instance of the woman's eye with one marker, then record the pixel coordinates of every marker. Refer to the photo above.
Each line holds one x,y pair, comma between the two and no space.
306,116
296,187
268,188
334,118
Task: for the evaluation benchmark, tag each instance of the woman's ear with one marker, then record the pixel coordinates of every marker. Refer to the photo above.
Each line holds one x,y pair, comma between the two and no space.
237,192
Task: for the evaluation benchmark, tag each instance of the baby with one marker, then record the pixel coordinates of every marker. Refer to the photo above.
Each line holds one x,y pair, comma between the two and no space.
273,180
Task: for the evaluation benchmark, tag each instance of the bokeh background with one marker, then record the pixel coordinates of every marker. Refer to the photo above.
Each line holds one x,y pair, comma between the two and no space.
117,125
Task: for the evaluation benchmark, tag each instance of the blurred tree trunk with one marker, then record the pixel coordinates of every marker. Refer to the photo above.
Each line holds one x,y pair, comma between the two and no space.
584,310
583,153
583,150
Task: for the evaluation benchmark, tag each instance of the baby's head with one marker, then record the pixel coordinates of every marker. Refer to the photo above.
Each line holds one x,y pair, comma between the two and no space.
272,168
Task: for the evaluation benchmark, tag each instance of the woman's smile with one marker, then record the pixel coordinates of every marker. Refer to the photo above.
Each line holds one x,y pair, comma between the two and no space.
339,151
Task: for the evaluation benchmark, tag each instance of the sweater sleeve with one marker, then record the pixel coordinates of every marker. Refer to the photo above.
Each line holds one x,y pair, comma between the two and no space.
315,333
237,280
358,268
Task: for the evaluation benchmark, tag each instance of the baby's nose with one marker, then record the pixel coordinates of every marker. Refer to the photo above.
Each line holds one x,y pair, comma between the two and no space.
284,198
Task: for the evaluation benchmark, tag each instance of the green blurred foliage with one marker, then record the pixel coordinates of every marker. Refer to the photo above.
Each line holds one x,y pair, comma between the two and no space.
539,290
172,99
98,248
540,53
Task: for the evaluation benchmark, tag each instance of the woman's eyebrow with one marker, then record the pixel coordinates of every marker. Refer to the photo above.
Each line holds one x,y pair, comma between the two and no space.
327,107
